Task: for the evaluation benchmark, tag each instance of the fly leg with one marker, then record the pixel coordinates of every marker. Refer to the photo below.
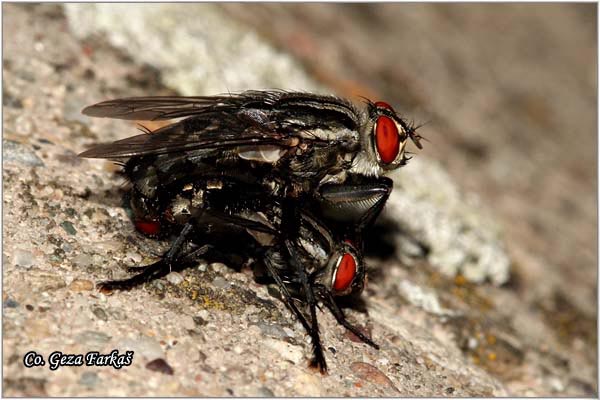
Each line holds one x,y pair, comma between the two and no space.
288,298
154,270
330,303
291,219
269,261
318,360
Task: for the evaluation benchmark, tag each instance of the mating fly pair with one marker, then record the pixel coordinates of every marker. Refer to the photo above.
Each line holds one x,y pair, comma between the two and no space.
299,172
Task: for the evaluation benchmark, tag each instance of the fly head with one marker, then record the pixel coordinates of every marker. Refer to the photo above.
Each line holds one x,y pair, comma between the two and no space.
345,272
384,136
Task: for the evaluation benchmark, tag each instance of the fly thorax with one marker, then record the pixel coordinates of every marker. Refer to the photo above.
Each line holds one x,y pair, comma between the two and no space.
330,135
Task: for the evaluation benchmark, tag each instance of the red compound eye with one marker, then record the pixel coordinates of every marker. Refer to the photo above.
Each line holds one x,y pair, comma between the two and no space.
150,228
344,275
383,104
387,139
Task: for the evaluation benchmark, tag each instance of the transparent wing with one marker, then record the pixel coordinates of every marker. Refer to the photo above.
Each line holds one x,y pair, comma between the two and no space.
171,107
251,118
177,138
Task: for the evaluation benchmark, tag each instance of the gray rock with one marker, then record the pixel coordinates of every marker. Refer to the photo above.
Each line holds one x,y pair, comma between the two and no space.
93,338
209,50
221,283
219,267
100,313
19,153
89,379
82,260
68,227
426,299
264,392
271,330
174,278
23,258
10,303
461,238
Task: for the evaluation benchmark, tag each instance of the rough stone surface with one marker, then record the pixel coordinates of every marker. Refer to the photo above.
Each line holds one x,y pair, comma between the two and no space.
503,126
202,51
459,238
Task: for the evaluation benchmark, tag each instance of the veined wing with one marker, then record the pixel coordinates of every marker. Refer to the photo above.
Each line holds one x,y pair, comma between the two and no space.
250,119
171,107
188,135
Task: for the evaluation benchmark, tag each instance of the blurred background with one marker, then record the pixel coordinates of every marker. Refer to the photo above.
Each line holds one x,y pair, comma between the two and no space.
507,93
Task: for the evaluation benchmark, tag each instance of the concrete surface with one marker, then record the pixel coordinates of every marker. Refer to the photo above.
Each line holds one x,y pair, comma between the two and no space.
452,320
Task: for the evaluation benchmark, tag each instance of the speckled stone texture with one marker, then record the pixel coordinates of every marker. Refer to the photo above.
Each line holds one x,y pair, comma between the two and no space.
482,267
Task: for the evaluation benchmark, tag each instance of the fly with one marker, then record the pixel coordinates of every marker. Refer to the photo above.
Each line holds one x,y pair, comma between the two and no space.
308,164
